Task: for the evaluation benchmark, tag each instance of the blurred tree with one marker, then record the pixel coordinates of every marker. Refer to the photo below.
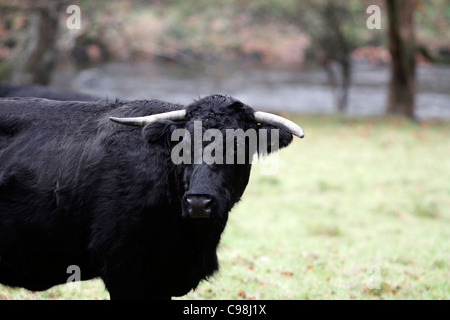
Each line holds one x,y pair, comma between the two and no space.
41,62
432,21
34,37
336,46
334,28
403,49
34,49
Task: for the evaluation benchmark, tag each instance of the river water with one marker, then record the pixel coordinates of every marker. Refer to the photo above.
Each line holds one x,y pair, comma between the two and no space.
296,91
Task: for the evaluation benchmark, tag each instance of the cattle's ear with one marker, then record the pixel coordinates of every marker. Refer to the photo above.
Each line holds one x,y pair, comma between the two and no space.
160,132
272,136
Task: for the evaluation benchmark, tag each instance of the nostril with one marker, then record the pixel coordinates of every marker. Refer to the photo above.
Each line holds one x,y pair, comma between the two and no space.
199,202
199,206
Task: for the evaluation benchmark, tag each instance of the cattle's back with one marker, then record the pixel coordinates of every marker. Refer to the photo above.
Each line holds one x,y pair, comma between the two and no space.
40,121
40,133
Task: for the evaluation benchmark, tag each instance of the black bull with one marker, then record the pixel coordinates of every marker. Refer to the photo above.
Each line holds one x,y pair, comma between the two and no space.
77,189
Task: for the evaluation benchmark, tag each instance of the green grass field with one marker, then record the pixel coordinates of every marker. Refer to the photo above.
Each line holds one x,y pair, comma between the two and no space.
359,209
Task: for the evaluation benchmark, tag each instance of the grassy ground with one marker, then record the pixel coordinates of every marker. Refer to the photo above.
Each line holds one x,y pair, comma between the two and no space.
359,209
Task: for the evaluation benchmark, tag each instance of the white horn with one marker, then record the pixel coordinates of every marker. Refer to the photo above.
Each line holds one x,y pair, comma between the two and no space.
143,121
264,117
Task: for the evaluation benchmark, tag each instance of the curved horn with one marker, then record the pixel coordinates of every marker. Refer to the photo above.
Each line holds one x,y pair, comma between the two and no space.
263,117
143,121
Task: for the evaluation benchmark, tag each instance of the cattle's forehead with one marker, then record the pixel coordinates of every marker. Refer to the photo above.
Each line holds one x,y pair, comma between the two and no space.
218,109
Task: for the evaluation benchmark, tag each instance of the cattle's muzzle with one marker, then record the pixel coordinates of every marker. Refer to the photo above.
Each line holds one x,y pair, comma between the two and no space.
197,206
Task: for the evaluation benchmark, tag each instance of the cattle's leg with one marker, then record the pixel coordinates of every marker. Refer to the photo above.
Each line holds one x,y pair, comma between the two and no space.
132,289
12,278
125,277
9,277
117,295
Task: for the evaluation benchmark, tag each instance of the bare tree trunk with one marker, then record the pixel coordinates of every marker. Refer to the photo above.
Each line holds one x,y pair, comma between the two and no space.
41,62
346,82
337,47
339,78
402,47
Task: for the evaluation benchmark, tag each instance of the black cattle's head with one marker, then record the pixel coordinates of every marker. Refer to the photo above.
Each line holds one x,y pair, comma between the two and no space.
213,142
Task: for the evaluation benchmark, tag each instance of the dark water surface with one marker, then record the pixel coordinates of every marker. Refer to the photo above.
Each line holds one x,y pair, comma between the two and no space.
271,90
